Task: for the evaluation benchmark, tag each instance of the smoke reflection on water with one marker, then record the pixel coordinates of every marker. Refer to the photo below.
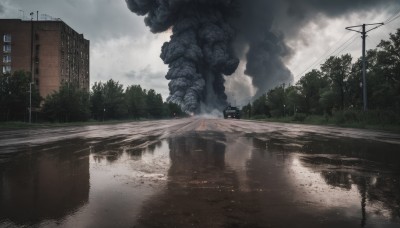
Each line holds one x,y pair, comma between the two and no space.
199,174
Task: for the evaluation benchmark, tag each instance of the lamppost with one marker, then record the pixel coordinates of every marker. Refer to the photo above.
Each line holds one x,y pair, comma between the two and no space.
30,102
284,110
31,82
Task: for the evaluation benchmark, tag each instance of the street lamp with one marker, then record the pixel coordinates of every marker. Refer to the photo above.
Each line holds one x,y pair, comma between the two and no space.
284,110
30,102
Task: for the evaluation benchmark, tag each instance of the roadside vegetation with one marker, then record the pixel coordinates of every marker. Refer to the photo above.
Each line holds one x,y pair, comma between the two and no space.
333,94
107,101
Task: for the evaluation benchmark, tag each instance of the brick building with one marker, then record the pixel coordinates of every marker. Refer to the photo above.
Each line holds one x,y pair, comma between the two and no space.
51,49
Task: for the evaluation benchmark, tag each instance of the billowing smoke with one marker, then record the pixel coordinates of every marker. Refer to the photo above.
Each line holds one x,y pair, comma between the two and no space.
200,51
207,35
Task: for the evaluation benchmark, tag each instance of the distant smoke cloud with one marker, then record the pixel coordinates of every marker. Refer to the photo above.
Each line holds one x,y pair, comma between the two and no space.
200,50
209,34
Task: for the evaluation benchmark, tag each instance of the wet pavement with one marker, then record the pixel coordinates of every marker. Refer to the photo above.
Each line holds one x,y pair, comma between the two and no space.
199,173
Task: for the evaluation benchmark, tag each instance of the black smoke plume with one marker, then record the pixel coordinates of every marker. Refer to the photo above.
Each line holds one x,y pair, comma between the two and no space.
200,51
207,35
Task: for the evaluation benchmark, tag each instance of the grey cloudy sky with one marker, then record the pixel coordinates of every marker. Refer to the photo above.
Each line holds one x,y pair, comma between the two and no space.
122,47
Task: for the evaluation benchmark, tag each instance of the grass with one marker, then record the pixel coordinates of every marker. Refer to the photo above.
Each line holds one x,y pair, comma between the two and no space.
336,121
25,125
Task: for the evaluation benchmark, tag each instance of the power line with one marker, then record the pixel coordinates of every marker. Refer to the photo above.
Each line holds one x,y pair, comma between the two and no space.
329,52
394,15
393,19
346,47
364,36
347,43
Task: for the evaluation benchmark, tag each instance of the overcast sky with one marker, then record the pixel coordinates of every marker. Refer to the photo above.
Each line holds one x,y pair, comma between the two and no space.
123,49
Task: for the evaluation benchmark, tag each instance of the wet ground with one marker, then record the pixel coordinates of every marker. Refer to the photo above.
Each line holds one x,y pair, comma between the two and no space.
199,173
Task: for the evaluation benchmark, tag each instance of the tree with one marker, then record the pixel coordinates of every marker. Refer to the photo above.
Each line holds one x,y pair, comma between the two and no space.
135,98
154,104
114,102
276,101
259,106
14,96
247,110
67,105
293,100
388,69
97,101
310,86
337,70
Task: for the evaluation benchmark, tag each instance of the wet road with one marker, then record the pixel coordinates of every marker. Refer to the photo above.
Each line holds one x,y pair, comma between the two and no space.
199,173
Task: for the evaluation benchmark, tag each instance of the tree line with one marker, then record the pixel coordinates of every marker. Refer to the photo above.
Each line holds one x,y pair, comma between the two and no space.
105,101
336,89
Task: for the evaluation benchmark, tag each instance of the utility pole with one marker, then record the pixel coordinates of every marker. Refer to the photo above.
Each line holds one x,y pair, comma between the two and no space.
30,102
32,79
364,36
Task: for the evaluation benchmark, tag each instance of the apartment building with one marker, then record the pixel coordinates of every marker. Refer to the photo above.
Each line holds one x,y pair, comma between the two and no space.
52,50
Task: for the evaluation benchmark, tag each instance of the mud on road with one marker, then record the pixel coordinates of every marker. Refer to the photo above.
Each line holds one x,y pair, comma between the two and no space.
199,173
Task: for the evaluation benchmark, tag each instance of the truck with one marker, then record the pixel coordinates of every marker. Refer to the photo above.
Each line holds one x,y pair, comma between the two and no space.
231,112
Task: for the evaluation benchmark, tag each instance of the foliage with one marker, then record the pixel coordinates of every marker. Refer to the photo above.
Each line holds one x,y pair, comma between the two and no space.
335,91
300,117
67,105
14,96
260,107
247,111
154,104
108,101
310,87
136,101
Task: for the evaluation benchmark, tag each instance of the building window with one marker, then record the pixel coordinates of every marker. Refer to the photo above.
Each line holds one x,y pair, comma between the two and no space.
7,38
6,69
6,58
7,48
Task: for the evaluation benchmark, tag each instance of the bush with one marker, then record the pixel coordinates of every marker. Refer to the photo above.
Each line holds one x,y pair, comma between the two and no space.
372,117
351,116
259,117
300,117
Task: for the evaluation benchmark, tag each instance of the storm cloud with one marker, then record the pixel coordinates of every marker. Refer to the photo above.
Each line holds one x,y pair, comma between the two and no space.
208,35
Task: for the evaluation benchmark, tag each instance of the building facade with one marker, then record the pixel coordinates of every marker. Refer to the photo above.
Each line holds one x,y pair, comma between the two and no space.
52,50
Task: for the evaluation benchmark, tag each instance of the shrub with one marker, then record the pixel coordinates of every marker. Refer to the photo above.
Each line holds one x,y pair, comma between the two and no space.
299,117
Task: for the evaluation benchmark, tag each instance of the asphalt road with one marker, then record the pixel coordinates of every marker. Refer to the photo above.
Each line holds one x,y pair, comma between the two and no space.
199,173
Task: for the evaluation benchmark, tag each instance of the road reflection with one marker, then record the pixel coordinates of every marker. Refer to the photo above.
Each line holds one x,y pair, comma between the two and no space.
203,178
44,186
359,175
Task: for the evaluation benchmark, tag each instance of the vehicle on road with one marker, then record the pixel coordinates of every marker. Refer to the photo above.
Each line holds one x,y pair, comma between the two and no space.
231,112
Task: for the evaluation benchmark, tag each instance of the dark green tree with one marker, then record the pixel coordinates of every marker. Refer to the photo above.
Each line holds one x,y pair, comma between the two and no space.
276,101
135,98
386,95
97,99
293,100
69,104
154,104
260,107
337,70
310,86
14,96
114,100
247,110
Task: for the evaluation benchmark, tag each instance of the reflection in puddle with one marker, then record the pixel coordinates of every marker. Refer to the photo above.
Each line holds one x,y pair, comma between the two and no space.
70,186
44,186
204,179
352,183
